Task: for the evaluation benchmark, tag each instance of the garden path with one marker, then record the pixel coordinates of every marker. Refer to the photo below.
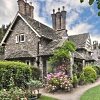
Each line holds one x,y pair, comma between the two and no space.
74,95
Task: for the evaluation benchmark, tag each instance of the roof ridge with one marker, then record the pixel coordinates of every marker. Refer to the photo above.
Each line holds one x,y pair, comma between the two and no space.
79,34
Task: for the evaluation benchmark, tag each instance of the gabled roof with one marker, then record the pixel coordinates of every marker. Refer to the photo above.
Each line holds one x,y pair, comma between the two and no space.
79,40
52,46
7,33
38,28
43,30
78,55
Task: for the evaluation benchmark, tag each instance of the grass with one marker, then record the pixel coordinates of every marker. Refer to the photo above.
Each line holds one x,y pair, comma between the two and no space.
46,98
91,94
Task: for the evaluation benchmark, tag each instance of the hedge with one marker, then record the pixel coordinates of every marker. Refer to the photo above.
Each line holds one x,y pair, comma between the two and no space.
15,74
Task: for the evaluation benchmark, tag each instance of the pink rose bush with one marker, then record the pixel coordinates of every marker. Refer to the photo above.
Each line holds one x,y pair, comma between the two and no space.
58,81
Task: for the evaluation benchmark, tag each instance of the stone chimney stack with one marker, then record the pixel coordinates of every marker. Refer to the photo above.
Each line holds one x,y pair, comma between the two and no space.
58,20
54,19
31,10
95,45
63,18
25,8
21,6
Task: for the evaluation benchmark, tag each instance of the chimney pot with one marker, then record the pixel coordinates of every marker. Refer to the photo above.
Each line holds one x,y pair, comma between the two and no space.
58,9
26,1
63,8
31,3
53,11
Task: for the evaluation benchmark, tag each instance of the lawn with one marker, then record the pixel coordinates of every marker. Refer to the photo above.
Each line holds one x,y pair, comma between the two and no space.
92,94
46,98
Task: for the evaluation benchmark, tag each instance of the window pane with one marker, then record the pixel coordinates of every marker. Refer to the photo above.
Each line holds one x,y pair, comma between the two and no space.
17,38
22,37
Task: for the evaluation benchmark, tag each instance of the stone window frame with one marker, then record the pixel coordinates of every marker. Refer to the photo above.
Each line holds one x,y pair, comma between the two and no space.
28,62
17,38
22,37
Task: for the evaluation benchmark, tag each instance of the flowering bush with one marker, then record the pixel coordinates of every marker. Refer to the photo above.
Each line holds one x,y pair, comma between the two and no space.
58,81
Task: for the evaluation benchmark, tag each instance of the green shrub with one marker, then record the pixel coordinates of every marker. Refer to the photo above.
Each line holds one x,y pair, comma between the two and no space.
36,73
89,74
97,69
15,74
12,94
82,79
75,81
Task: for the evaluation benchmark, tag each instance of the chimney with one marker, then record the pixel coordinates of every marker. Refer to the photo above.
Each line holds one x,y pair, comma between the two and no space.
95,45
58,20
54,19
25,8
31,10
21,6
63,18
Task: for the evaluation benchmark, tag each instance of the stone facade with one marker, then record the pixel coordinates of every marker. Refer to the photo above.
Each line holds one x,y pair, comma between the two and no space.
30,44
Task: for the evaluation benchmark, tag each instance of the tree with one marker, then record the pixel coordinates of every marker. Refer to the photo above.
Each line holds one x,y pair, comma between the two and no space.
92,2
62,55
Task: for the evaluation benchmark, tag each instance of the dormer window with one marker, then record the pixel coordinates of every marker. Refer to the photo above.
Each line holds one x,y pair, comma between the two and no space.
22,38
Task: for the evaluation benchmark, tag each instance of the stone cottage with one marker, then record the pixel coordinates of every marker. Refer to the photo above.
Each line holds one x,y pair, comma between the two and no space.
32,42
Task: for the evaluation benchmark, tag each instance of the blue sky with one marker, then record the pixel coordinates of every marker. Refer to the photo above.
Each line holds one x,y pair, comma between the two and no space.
81,18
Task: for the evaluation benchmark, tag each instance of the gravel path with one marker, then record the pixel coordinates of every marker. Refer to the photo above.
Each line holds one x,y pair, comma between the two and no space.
74,95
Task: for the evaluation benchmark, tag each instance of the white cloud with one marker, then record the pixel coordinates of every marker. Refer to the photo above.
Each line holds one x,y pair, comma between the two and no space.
80,28
95,38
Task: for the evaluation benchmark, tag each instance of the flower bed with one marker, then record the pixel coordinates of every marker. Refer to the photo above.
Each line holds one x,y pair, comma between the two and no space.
58,81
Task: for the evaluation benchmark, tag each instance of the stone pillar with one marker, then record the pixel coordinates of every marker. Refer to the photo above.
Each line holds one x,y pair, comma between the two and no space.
71,64
83,63
43,67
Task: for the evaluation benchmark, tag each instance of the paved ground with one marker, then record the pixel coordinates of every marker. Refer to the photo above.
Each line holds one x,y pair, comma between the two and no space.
75,95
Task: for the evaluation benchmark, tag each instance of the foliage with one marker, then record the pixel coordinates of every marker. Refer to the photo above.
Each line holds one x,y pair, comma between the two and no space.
91,94
89,74
75,81
34,85
14,74
97,69
92,2
12,94
75,67
62,54
36,73
58,81
82,79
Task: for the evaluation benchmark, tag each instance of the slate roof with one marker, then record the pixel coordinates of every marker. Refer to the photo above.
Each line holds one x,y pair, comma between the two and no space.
79,40
19,54
52,46
42,29
89,58
78,56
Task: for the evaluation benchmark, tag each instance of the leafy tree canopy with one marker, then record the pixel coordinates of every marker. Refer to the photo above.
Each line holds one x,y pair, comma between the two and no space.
92,2
63,53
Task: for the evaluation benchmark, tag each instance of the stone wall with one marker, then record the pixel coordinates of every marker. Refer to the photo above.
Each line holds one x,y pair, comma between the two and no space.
30,43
